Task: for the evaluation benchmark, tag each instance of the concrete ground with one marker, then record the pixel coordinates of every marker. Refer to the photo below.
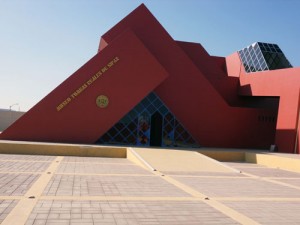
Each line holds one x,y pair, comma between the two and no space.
59,190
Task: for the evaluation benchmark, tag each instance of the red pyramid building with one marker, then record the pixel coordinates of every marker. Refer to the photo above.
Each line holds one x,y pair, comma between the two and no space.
144,88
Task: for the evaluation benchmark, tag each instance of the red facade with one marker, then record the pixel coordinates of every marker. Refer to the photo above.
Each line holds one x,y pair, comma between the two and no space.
213,97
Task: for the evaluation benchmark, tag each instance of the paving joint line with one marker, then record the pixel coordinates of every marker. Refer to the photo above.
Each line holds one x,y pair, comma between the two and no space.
106,174
23,209
271,181
16,160
231,213
283,178
243,199
17,172
118,198
11,197
99,163
152,198
221,177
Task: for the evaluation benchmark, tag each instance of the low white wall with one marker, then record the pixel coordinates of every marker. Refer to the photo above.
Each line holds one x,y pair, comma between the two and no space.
8,117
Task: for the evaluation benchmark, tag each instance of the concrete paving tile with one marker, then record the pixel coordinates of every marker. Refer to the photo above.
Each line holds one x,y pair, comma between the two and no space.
101,168
86,215
5,208
75,159
65,216
215,187
105,223
295,182
39,222
63,185
97,216
76,216
23,166
82,223
107,215
14,157
198,173
145,213
57,223
29,222
270,172
42,216
138,182
269,212
14,184
53,215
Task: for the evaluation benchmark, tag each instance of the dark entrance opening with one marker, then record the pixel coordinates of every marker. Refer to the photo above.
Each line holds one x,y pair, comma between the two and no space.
156,129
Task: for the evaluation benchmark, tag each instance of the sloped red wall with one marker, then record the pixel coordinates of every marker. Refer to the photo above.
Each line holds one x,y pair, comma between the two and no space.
129,73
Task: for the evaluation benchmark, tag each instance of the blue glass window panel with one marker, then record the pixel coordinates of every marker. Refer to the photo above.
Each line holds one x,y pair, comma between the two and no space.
128,130
271,54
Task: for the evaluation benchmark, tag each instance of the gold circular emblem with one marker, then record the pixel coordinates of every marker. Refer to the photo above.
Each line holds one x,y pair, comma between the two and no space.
102,101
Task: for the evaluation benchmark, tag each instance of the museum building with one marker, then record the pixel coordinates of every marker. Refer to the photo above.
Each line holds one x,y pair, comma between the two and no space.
143,88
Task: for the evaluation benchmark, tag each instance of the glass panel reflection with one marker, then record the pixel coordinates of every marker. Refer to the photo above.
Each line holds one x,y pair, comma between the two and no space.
270,57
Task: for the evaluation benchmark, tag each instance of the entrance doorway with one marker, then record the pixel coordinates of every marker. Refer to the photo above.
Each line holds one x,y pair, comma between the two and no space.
156,129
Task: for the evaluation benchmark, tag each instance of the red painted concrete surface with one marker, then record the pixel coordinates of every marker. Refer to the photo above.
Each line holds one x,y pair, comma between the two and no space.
216,101
125,83
283,83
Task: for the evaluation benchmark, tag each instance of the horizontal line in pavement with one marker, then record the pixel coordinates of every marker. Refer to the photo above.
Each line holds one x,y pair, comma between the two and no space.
124,164
118,198
208,176
153,198
11,197
14,172
241,199
15,160
272,181
107,174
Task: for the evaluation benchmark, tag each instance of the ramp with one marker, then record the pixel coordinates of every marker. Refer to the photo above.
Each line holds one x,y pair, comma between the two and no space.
179,160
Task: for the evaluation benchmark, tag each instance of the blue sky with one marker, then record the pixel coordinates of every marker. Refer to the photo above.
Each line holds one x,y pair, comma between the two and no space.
42,42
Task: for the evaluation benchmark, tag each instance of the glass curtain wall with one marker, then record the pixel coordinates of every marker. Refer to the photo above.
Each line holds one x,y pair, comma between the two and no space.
263,56
150,123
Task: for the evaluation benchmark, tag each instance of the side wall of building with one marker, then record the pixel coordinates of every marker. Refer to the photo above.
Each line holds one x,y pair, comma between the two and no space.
282,83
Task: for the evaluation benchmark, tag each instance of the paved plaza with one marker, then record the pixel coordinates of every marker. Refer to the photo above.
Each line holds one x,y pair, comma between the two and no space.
58,190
